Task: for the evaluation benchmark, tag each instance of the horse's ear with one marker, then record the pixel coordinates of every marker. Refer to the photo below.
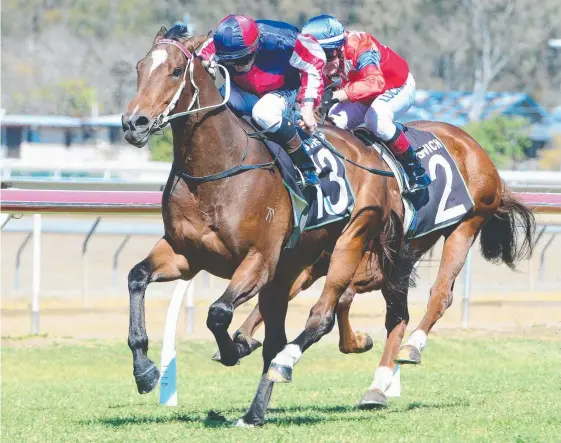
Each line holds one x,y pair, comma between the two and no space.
195,42
160,35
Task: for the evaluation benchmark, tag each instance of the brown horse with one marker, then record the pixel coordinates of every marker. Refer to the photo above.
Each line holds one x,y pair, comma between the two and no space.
221,223
499,244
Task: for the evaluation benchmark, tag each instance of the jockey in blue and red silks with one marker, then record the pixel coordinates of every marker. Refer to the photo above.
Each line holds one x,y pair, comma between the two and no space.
376,87
272,66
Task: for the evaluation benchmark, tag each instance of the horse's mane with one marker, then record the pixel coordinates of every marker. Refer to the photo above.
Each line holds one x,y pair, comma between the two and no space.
177,32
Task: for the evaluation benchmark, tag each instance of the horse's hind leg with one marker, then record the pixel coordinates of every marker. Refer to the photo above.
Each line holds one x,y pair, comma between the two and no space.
162,264
454,253
397,317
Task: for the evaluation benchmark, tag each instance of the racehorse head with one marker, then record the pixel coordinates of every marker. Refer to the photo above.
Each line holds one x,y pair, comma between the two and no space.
164,84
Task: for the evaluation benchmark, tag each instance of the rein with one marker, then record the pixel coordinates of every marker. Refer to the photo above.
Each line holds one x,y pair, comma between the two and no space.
320,136
228,172
326,103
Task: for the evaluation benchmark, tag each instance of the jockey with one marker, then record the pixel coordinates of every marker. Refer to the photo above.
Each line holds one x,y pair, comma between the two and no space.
272,66
376,86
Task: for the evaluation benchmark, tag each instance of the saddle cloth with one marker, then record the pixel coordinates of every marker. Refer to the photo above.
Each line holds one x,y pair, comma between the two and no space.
445,202
333,200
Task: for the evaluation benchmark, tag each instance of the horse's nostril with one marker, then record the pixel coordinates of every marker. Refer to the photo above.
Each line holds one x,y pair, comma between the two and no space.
141,121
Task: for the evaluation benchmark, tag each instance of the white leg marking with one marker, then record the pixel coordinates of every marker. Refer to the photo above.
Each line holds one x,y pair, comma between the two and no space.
289,356
240,423
159,56
418,339
382,378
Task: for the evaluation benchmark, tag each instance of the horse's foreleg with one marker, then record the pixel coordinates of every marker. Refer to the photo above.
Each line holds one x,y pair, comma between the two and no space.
162,264
454,253
244,335
349,341
345,260
367,278
249,278
274,302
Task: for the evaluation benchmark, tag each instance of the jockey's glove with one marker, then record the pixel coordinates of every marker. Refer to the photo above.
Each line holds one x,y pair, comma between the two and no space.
327,101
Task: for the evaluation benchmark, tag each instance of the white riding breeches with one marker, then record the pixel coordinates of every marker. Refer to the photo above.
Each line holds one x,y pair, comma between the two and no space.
380,115
268,110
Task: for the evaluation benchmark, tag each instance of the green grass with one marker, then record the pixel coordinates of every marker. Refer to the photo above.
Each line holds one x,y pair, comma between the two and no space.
465,390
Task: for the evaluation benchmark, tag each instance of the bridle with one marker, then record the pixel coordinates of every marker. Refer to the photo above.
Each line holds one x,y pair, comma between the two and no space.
164,118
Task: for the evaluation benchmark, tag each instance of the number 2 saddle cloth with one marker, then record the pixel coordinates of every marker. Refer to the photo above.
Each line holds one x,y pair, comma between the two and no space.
444,203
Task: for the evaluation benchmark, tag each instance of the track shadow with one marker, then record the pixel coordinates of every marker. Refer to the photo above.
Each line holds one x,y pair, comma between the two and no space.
461,403
297,416
117,422
314,408
302,415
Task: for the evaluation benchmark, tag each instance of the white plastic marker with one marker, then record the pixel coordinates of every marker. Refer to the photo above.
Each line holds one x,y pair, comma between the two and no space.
168,379
395,387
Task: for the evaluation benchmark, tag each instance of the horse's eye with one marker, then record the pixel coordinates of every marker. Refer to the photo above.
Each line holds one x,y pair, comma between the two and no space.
177,72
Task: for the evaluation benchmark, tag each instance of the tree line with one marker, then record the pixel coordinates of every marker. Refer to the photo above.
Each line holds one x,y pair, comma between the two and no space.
62,56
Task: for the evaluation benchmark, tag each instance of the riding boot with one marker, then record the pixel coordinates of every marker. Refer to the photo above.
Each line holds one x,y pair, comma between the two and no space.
302,160
288,138
404,153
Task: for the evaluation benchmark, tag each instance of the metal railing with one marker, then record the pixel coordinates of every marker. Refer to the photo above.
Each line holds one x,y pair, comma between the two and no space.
151,177
104,202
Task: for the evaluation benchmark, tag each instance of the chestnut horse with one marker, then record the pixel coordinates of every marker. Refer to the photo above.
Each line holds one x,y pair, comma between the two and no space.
216,210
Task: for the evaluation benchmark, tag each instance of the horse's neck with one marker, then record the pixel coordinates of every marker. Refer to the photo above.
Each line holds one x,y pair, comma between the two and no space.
208,141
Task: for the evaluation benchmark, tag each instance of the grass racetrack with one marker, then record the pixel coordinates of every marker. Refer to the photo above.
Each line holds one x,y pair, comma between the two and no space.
467,389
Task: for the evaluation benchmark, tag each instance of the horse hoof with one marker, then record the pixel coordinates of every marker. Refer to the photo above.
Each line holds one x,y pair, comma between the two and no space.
408,355
363,343
373,399
218,359
279,373
252,344
367,343
147,380
245,344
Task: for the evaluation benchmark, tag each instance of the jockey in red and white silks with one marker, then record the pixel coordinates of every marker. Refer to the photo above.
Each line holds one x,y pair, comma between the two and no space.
376,87
272,66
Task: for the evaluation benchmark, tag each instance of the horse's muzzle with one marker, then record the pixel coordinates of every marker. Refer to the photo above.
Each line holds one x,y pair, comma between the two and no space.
136,128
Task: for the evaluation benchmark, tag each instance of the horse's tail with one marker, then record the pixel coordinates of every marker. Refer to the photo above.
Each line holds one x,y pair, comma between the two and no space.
392,241
509,235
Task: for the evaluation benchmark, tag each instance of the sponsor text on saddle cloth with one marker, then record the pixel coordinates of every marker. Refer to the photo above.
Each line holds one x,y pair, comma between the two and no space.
446,201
